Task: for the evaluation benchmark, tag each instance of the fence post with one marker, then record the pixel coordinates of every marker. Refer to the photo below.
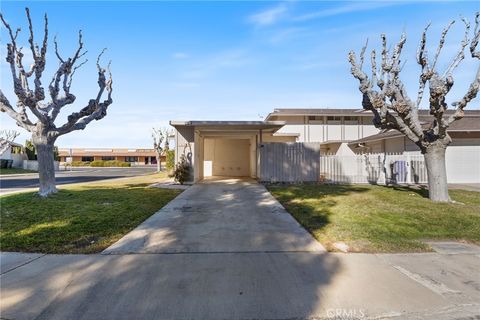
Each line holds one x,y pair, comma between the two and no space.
409,169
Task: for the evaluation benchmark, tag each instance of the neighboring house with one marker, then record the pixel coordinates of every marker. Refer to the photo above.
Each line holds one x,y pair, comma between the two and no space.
14,152
133,156
234,148
331,127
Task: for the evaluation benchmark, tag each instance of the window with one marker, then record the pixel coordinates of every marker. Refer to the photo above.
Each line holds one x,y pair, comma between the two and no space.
131,159
87,159
108,158
315,118
350,118
334,118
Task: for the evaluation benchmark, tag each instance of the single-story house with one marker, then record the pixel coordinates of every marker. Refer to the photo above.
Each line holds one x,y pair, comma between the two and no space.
134,156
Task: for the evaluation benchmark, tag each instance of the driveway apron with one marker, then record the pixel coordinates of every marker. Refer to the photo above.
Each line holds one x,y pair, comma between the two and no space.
221,215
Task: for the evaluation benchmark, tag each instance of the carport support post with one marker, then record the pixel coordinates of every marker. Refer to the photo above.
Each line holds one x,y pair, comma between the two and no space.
259,161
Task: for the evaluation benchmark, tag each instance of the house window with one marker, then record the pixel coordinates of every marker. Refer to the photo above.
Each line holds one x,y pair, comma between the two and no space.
315,118
87,159
350,118
131,159
334,118
108,158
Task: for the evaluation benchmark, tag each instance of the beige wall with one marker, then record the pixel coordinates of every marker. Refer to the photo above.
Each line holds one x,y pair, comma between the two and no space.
226,157
321,130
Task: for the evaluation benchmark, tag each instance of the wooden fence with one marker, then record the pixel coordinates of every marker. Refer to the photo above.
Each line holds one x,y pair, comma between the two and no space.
289,162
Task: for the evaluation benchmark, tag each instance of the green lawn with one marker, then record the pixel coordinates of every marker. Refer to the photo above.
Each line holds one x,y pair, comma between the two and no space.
380,219
83,218
5,171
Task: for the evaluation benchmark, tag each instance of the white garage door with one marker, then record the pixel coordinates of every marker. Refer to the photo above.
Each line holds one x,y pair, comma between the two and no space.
463,164
226,157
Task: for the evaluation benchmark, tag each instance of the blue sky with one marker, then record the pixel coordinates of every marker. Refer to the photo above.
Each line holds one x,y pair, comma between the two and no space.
227,60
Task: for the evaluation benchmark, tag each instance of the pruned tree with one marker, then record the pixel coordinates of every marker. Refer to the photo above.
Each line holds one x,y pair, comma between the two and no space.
160,144
30,99
385,95
6,139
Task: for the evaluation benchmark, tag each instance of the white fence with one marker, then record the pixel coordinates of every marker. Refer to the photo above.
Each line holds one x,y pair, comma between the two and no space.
373,168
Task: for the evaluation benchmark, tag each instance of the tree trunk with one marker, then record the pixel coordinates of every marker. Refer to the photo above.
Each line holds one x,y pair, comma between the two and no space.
159,164
46,166
437,173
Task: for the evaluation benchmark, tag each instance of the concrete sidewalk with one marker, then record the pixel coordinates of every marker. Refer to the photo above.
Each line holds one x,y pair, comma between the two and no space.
285,285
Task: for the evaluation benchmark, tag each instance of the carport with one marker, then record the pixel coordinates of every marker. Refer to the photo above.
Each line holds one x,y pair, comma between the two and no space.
224,148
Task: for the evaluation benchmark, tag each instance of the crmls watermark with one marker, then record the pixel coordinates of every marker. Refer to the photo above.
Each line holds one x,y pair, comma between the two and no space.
346,314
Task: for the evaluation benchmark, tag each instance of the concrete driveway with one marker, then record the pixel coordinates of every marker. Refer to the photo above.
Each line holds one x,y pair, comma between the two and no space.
219,215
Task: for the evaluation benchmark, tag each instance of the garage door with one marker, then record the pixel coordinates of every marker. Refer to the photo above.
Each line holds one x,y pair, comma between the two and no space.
227,157
463,164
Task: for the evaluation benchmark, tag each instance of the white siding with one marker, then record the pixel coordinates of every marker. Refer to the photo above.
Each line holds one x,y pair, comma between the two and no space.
294,128
316,132
334,130
351,130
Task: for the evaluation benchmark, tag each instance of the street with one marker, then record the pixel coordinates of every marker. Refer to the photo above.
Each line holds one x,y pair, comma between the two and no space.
13,183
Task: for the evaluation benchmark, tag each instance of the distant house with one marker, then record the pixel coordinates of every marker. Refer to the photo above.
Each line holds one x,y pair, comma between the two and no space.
133,156
234,148
14,152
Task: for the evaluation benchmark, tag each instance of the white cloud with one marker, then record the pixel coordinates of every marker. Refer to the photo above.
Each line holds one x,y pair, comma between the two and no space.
269,16
352,7
180,55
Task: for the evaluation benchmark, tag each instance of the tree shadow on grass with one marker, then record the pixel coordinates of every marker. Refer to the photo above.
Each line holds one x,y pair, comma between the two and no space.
311,204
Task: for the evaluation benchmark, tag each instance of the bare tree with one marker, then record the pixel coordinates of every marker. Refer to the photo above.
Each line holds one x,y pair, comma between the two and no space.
160,144
30,100
6,138
385,95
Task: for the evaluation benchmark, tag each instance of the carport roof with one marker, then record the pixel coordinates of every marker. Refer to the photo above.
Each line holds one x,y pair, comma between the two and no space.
231,125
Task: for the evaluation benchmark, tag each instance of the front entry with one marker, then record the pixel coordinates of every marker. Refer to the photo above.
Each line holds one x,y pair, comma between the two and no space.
226,157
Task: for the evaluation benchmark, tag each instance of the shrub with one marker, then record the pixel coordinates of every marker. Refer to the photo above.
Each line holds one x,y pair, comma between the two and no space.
97,163
170,159
182,170
80,163
30,150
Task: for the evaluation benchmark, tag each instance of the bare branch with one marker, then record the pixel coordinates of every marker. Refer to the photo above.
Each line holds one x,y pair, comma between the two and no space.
422,60
362,53
461,53
21,119
56,50
441,43
476,37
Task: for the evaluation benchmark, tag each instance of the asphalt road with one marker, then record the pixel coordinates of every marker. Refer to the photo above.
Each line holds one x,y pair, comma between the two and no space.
14,183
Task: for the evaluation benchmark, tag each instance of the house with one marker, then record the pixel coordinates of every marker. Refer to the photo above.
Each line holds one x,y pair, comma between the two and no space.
225,148
240,148
133,156
14,152
332,128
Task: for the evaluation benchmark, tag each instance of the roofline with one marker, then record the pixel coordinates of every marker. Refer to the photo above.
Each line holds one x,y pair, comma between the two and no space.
352,112
399,134
225,123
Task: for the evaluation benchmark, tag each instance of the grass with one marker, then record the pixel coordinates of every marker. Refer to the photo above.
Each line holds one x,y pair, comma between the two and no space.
380,219
7,171
81,218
